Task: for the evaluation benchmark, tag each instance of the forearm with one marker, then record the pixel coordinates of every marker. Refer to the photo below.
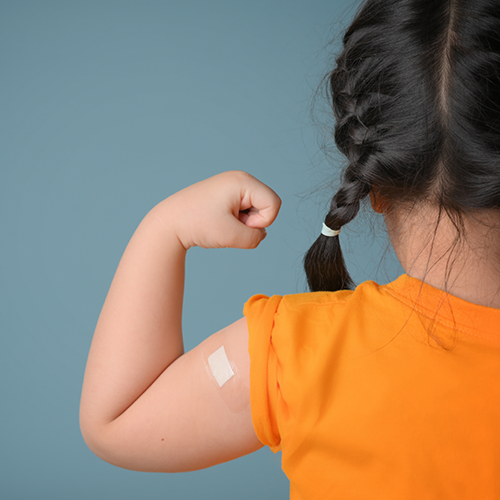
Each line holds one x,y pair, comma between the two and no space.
139,330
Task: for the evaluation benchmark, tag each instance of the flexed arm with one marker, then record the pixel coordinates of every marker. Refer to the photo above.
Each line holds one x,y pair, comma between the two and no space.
145,404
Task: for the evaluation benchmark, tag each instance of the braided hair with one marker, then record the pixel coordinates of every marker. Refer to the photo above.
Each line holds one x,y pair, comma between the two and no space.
416,100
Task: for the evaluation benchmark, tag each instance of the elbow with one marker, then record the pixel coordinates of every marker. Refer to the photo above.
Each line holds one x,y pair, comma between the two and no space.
94,437
98,438
132,445
100,444
111,444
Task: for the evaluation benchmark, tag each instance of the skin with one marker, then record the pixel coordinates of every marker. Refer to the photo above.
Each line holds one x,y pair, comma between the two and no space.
427,248
146,405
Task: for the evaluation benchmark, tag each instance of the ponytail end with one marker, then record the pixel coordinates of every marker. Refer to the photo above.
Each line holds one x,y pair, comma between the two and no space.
325,266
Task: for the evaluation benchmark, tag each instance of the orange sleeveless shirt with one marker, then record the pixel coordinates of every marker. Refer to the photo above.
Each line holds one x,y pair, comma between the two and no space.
385,392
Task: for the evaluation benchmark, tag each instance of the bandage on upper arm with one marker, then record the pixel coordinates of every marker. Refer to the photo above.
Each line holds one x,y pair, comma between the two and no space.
228,366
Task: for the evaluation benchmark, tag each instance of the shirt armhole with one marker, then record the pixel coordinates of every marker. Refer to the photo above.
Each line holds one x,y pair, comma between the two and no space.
259,312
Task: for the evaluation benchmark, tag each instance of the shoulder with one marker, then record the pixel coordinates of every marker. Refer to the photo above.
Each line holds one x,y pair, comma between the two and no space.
314,299
293,311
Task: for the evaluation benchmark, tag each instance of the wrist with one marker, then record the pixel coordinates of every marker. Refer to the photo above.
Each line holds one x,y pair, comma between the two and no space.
169,218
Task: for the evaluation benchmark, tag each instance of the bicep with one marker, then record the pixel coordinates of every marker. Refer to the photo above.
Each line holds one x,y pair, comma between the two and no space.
196,413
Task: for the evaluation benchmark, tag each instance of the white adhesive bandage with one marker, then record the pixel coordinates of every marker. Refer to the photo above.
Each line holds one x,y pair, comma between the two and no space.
224,370
220,366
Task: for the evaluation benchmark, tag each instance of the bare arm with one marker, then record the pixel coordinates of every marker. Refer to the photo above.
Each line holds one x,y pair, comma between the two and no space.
145,404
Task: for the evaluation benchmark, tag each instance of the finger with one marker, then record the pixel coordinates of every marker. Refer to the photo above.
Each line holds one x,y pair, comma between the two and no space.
257,219
243,216
261,205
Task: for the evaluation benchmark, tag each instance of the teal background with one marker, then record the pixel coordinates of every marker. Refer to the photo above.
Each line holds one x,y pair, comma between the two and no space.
106,108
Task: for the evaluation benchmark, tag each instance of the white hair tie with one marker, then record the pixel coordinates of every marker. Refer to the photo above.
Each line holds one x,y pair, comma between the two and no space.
329,232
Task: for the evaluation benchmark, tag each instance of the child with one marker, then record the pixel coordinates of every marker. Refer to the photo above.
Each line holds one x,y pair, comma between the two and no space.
381,392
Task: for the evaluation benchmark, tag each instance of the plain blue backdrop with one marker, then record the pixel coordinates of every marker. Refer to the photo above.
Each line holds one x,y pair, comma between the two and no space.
106,108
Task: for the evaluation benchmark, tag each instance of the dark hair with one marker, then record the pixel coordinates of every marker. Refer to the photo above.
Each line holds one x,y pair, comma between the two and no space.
416,99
